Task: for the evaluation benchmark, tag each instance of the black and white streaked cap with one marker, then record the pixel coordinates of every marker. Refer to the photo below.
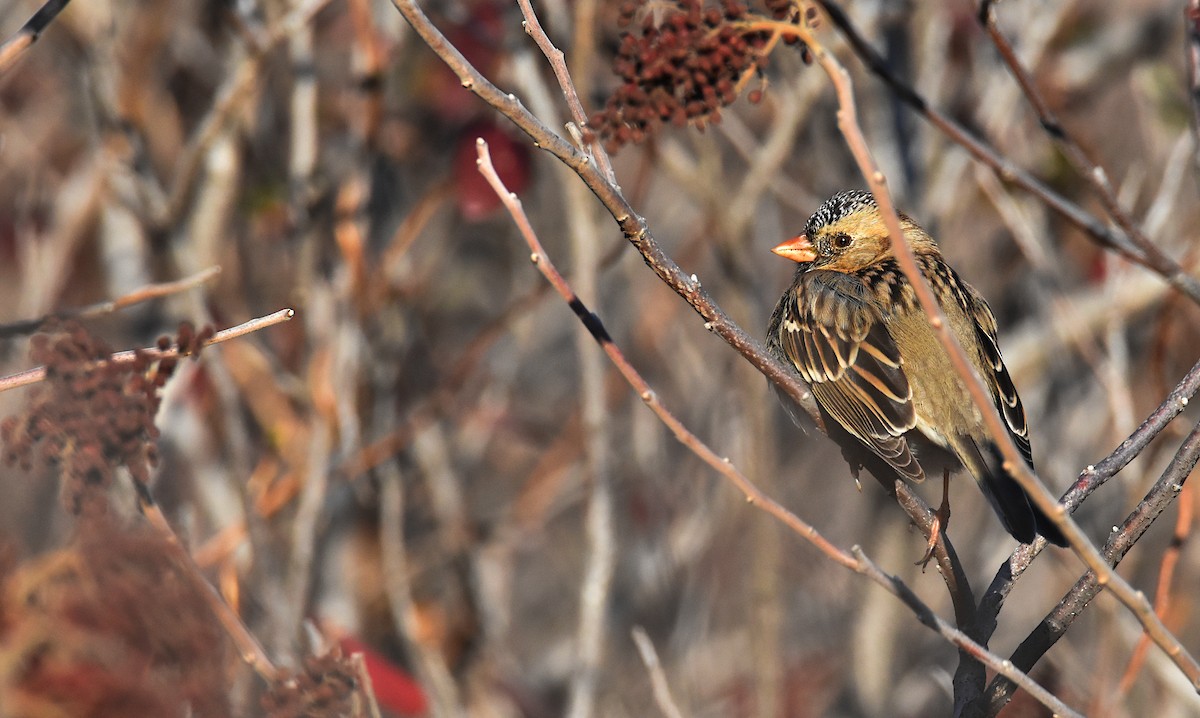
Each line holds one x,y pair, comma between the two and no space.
842,204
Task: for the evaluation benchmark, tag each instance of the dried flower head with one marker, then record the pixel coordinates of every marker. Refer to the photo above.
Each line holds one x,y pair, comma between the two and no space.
325,688
110,626
92,415
683,64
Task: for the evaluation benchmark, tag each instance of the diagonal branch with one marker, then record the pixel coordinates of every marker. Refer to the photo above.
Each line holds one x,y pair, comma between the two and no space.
1090,479
29,33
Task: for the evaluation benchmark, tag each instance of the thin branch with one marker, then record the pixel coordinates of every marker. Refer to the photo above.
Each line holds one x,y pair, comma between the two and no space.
1005,669
229,97
29,33
658,681
137,296
366,687
855,560
37,374
558,63
429,662
1162,591
250,650
1092,226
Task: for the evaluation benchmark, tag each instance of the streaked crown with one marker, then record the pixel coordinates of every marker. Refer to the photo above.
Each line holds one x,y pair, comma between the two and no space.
839,206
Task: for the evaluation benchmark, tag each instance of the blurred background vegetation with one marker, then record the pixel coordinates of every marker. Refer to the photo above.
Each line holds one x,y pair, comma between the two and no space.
432,388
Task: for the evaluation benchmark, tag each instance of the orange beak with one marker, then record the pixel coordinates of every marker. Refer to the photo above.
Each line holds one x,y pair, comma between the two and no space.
797,249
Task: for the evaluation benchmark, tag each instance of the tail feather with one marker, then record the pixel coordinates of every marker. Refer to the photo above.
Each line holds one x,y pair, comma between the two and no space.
1020,516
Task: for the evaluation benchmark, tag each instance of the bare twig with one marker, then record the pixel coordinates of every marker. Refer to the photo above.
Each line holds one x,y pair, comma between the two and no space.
137,296
559,64
1090,479
855,560
430,664
658,680
250,650
229,97
366,688
29,33
1162,592
37,374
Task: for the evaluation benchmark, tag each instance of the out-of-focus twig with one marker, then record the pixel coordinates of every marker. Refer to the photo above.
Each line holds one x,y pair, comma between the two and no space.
855,560
366,688
1191,16
37,374
229,97
1162,592
658,680
250,650
430,664
142,294
29,32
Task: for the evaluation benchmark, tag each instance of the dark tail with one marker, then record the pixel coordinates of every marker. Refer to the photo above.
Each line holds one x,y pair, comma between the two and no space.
1020,516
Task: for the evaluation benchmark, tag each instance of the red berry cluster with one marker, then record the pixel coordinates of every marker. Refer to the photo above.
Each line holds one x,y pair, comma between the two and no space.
684,65
92,415
323,689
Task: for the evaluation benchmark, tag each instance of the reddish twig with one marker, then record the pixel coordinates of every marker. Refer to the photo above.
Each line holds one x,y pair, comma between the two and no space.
29,33
37,374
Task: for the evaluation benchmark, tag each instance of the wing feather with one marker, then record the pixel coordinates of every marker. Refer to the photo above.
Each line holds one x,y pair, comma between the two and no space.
832,330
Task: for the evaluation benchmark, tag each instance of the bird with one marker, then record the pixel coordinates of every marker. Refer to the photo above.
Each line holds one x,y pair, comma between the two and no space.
851,326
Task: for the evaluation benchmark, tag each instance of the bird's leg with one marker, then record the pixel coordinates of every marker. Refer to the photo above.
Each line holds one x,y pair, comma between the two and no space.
941,520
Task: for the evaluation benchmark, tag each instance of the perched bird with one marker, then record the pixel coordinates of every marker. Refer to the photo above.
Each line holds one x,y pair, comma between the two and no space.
851,325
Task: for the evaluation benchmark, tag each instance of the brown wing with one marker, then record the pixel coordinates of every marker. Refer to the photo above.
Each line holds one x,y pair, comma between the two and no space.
1004,392
832,331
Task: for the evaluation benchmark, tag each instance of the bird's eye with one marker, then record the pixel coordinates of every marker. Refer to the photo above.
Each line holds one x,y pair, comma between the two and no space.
841,241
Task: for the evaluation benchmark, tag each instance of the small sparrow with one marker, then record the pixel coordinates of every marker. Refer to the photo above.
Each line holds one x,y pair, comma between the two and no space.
851,325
